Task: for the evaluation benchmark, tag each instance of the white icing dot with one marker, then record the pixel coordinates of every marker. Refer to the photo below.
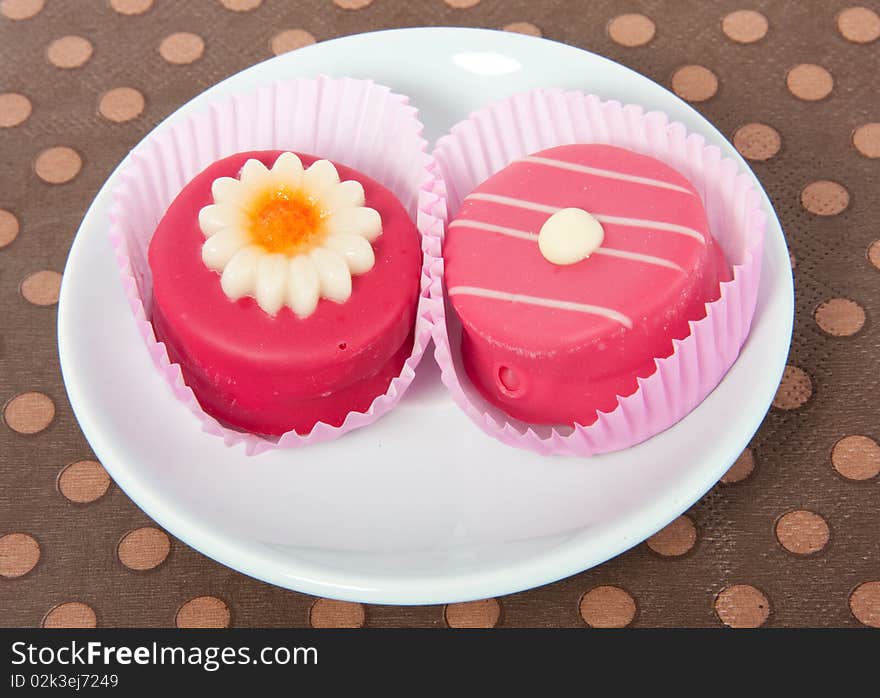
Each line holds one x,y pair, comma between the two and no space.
569,236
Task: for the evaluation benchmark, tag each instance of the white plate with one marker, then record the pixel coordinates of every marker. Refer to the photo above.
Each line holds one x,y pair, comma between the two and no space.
421,507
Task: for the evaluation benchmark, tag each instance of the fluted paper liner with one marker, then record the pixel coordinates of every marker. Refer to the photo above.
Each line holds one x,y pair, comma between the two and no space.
493,137
354,122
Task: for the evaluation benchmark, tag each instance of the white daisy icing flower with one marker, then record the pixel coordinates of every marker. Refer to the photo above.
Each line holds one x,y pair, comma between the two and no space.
286,235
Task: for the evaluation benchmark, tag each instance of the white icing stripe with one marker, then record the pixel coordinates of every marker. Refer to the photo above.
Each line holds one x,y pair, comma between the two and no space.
543,302
608,174
614,220
523,235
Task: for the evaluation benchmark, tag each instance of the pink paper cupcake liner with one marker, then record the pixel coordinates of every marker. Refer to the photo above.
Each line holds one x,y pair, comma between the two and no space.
496,135
355,122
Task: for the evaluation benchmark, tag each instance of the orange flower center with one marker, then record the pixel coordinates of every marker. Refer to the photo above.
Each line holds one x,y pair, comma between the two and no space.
286,221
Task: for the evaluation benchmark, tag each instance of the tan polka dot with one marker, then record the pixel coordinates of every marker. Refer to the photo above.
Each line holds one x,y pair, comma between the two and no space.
607,607
809,82
181,48
290,39
859,25
42,287
864,603
462,4
14,109
20,9
84,481
856,457
840,317
794,390
29,413
874,253
473,614
69,52
866,139
72,614
352,4
131,7
144,548
792,260
631,30
745,26
674,540
694,83
824,198
58,165
742,606
330,613
802,532
522,28
121,104
8,227
19,554
241,5
203,612
741,468
757,141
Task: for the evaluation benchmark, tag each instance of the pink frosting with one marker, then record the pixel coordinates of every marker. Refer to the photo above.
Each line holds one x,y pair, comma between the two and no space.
554,344
267,374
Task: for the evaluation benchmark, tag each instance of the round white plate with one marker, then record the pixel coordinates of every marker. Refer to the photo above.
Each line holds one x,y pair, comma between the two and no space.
421,507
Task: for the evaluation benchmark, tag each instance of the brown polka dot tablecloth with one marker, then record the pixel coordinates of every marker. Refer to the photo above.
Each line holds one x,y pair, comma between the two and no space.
791,534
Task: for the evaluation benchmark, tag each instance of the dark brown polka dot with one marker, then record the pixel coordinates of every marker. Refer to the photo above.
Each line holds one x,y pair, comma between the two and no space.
19,554
742,606
607,607
8,227
131,7
859,25
121,104
856,457
631,30
522,28
72,614
29,413
694,83
58,165
352,4
20,9
83,482
874,253
824,198
181,48
203,612
840,317
757,141
42,287
330,613
864,603
794,390
741,468
241,5
809,82
866,139
14,109
745,26
802,532
290,39
473,614
144,548
674,540
69,52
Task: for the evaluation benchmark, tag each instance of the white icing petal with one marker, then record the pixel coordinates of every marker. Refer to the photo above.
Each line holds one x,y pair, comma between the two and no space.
288,170
348,194
356,221
320,177
271,282
355,250
215,217
239,275
303,286
219,248
333,274
227,190
254,174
